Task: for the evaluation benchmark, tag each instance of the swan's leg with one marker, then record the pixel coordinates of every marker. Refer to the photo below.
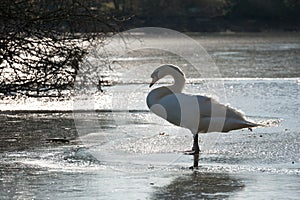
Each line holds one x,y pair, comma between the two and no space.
195,148
196,151
196,161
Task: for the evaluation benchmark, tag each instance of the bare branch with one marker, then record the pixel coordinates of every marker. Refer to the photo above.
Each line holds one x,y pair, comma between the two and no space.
41,42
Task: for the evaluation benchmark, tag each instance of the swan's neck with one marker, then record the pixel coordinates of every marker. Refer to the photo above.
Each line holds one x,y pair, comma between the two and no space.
179,82
157,94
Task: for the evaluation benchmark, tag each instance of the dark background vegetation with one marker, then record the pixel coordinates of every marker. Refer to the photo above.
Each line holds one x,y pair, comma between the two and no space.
42,42
213,15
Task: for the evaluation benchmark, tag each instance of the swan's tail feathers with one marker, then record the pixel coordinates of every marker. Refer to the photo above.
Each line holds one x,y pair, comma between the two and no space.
249,124
252,124
261,124
233,124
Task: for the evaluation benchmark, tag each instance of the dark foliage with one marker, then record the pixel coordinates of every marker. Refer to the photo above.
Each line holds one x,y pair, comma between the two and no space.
214,15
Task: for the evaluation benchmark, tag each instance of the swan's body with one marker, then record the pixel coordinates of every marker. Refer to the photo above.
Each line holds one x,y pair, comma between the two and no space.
195,112
200,114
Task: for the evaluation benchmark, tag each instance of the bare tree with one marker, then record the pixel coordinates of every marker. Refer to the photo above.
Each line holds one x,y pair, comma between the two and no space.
43,41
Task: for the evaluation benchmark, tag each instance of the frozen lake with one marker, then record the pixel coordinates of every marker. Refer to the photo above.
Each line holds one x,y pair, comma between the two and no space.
132,154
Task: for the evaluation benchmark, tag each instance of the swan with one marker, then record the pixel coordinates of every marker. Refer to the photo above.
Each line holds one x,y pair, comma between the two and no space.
199,114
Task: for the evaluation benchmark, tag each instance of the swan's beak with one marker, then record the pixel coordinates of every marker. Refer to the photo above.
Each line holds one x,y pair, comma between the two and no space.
154,79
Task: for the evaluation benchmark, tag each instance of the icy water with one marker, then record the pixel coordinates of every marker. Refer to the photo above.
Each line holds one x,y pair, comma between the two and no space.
134,155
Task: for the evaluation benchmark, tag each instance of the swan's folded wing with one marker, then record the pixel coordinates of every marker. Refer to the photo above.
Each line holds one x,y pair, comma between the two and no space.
197,105
197,112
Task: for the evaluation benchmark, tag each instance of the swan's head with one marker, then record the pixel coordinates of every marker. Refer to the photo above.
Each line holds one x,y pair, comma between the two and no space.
165,70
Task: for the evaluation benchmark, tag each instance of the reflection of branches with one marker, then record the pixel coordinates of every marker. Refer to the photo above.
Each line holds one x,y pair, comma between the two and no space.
43,41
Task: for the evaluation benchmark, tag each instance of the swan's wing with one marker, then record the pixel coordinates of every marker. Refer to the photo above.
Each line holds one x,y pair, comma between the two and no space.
221,117
198,113
202,105
216,109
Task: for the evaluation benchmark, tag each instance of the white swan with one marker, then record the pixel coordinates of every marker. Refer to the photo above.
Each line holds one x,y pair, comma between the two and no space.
200,114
